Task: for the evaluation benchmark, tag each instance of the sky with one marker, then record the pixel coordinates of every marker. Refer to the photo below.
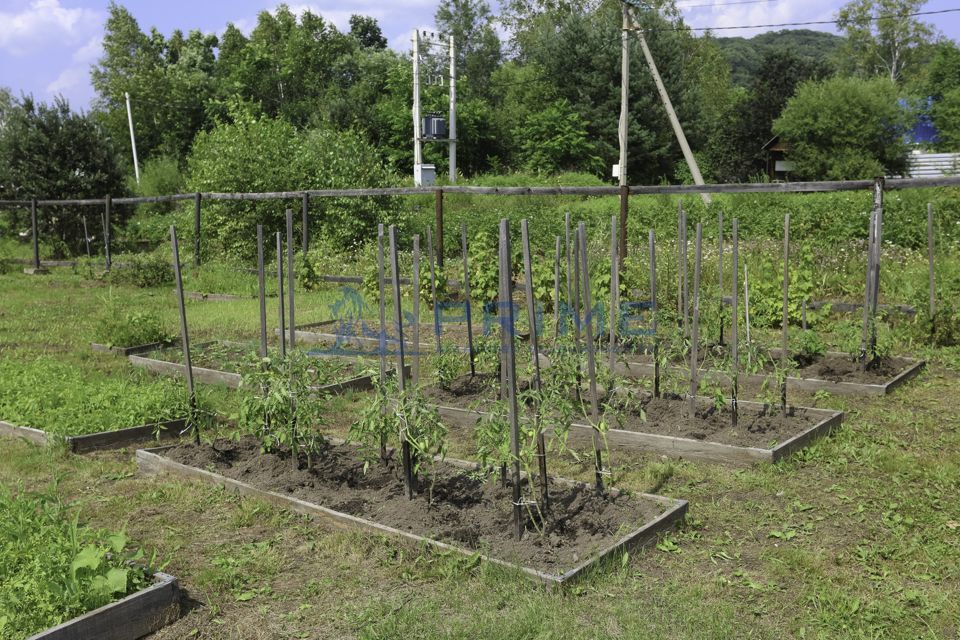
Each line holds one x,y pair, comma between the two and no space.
48,46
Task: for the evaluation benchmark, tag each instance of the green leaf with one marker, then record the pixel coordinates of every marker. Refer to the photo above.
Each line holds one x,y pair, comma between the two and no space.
89,558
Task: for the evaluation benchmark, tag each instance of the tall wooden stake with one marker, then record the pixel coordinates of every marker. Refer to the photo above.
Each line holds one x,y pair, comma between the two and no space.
566,230
695,327
591,356
108,206
930,247
184,334
575,301
535,352
261,285
35,235
382,344
556,294
508,365
735,319
653,314
280,296
877,250
785,320
416,311
746,310
305,222
466,295
720,273
868,290
407,455
196,229
614,293
433,290
291,277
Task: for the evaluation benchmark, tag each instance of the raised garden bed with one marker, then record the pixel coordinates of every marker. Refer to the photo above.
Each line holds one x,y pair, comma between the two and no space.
763,435
364,335
835,372
133,617
127,351
467,514
97,441
220,363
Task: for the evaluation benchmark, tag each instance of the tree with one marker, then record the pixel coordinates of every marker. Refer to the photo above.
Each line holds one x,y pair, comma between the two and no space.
47,151
367,31
555,140
943,70
883,38
946,117
845,128
470,22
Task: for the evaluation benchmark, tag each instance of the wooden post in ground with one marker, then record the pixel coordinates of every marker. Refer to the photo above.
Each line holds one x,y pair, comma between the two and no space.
566,230
280,298
305,222
868,290
382,344
415,370
466,295
556,294
35,269
591,357
438,211
261,285
653,314
614,294
291,277
508,366
746,310
575,301
695,327
406,454
877,250
930,248
184,334
734,329
624,208
785,320
683,291
196,229
433,290
535,352
108,206
720,273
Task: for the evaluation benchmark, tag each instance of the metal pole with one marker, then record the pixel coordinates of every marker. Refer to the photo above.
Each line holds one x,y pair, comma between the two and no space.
291,276
466,294
508,367
452,133
261,285
184,334
196,229
133,139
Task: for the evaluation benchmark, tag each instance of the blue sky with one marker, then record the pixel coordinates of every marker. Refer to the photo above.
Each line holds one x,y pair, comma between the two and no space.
48,46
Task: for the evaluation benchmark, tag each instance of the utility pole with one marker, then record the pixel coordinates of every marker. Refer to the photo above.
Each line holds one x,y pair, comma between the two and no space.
452,131
133,140
622,131
417,155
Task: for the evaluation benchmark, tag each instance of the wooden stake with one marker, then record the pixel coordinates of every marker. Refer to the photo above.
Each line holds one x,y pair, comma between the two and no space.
438,211
196,229
108,206
184,334
406,454
591,357
433,290
577,318
734,333
415,370
556,294
695,327
867,295
261,284
785,320
466,295
508,365
653,314
35,235
746,310
614,293
291,277
720,274
535,352
305,223
930,247
566,230
86,236
877,250
280,297
383,312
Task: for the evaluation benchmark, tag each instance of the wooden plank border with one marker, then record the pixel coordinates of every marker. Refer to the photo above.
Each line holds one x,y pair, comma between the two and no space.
130,618
100,440
151,461
126,351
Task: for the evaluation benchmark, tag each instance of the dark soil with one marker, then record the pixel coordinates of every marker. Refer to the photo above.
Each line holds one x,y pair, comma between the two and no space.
847,369
464,510
466,391
667,416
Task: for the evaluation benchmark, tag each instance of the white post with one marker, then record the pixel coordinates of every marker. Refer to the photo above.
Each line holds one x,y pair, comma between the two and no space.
453,113
133,140
677,129
417,155
624,94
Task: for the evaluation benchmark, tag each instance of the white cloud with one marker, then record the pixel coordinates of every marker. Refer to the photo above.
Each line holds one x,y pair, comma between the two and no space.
78,73
723,14
45,22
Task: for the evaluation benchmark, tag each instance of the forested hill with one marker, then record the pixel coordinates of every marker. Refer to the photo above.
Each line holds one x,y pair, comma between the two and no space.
745,54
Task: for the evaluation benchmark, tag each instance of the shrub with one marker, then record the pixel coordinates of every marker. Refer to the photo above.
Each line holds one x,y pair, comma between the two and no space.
130,329
144,270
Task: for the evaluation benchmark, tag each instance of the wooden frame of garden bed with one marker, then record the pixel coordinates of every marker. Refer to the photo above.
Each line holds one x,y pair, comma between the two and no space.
151,461
232,380
128,351
100,440
130,618
685,448
635,369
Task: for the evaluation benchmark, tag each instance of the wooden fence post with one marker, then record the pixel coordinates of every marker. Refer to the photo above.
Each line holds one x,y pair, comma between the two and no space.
35,240
291,277
930,247
305,222
108,205
196,229
184,334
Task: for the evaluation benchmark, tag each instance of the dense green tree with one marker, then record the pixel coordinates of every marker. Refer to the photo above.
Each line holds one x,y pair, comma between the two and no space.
555,139
367,31
47,151
883,37
946,117
943,70
845,128
478,49
746,55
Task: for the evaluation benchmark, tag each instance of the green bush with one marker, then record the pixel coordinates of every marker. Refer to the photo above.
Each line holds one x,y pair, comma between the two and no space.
130,329
160,176
144,270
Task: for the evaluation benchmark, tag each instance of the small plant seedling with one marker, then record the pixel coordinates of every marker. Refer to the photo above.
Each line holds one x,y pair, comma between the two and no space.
447,364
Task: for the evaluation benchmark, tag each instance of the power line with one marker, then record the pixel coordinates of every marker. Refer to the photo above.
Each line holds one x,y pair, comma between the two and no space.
721,4
889,16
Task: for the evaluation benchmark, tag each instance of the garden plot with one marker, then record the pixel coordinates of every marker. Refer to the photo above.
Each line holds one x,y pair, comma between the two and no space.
364,335
457,511
223,363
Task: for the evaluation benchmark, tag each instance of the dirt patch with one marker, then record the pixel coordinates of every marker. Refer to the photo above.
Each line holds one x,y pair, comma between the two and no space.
465,510
466,391
667,416
847,369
